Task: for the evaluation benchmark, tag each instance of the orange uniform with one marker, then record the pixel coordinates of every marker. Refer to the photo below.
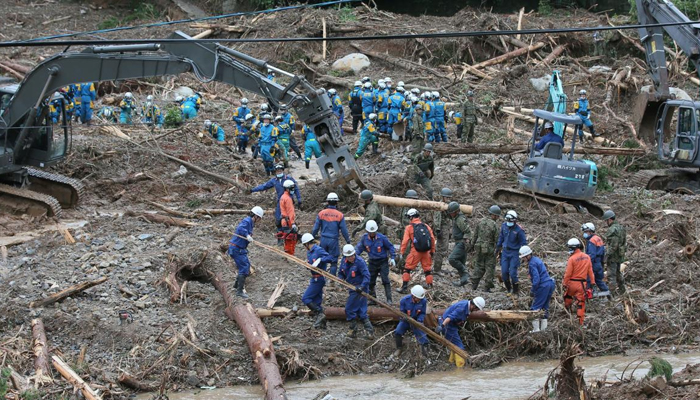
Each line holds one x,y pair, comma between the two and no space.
578,270
425,258
288,219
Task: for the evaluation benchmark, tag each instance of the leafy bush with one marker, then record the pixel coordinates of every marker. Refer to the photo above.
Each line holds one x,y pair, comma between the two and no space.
660,367
604,173
173,116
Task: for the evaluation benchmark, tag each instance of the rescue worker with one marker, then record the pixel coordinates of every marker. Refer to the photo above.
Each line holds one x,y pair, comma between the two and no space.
151,113
427,116
403,222
417,130
453,318
288,231
75,90
127,106
67,94
595,248
55,107
313,296
353,270
422,170
108,114
381,254
461,235
510,239
238,247
355,105
368,136
456,118
422,241
285,133
485,238
188,107
268,137
548,137
441,227
582,109
578,271
470,120
271,75
87,97
244,132
368,101
330,223
240,113
277,182
372,212
439,118
337,107
616,240
395,104
383,107
415,306
542,287
311,145
215,131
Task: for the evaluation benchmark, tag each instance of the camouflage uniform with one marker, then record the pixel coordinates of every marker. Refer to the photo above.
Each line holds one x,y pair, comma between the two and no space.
616,246
469,115
441,226
485,239
421,172
417,135
372,212
461,235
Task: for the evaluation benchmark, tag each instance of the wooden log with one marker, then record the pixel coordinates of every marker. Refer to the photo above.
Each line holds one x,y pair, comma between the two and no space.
17,67
18,381
133,383
418,204
163,219
520,21
202,171
505,57
66,293
687,382
11,71
220,211
203,34
279,288
554,54
221,27
57,20
260,347
523,148
74,379
399,62
40,346
325,45
569,129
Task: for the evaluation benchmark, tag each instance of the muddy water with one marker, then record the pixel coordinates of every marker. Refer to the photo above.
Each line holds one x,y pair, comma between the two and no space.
515,380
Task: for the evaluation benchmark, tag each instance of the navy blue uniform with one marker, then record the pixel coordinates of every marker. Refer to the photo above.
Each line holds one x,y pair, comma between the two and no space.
380,250
238,247
357,275
314,293
542,285
331,224
416,311
458,314
511,239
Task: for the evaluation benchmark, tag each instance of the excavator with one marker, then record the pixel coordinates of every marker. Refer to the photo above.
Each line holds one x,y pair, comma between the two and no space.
29,142
672,124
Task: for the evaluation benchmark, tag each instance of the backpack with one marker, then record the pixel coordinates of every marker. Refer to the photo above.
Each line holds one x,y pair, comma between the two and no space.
421,238
355,100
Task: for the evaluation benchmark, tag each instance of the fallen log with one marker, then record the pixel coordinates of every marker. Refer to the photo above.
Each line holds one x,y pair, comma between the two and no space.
162,219
224,28
260,347
40,347
18,381
554,54
17,67
74,379
220,211
67,293
523,148
399,62
133,383
505,57
137,177
569,129
418,204
11,71
203,34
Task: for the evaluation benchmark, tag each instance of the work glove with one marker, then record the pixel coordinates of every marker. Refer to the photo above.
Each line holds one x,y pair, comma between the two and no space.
358,289
316,263
392,262
249,238
400,257
294,228
439,330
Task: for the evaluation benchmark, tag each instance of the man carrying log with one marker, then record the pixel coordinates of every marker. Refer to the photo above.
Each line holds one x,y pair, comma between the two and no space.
422,241
422,170
313,296
277,182
415,306
288,231
354,271
381,255
449,323
238,248
330,223
441,227
372,212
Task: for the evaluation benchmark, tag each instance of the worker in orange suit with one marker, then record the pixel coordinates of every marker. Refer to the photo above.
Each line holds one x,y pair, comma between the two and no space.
579,270
422,241
288,230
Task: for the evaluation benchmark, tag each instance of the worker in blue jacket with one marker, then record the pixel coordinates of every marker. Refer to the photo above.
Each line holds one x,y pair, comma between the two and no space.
277,182
126,106
383,108
396,104
240,113
268,138
353,270
337,105
215,131
368,100
368,135
55,108
88,94
450,322
582,109
415,306
548,137
311,145
381,255
188,107
439,118
542,287
510,239
330,224
238,247
313,296
595,248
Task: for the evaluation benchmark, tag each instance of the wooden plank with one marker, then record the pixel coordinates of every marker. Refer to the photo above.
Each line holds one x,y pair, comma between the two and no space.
74,379
67,293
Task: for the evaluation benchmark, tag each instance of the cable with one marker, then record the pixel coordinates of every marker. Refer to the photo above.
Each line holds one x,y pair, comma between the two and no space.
343,38
182,21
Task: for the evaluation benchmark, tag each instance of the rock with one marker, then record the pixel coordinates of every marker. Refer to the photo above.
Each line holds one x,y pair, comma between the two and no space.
354,62
679,93
192,379
183,91
600,69
30,252
145,236
180,172
140,304
119,246
540,84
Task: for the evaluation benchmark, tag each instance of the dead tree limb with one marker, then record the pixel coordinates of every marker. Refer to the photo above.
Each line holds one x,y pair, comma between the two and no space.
66,293
162,219
400,62
40,346
505,57
133,383
74,379
554,54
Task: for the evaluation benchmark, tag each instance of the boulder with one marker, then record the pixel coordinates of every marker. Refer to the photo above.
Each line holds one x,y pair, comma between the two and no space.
600,69
183,91
680,94
355,62
540,84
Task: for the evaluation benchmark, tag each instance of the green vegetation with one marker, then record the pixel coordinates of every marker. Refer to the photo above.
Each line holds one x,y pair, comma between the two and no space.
173,116
604,175
4,375
347,14
660,367
31,394
544,7
194,203
139,10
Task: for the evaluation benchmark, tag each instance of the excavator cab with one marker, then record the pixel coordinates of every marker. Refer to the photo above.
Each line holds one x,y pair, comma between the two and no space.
677,133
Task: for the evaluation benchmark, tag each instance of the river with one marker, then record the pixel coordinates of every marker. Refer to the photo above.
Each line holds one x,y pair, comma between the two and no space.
514,380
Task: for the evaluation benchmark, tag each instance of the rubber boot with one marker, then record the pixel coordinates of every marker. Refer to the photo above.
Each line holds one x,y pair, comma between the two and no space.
508,288
535,326
399,345
352,332
368,328
240,285
516,289
403,289
424,350
372,293
475,285
375,148
463,279
593,132
387,292
320,322
307,164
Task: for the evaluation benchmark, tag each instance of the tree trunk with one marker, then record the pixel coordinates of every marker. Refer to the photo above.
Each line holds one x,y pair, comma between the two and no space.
133,383
74,379
508,56
66,293
419,204
40,346
554,54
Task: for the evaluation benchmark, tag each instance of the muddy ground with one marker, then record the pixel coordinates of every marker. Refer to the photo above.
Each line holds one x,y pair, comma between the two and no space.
135,255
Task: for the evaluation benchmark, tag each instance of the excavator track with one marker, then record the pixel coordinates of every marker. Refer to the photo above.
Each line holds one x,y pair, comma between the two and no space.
24,201
667,179
561,206
66,190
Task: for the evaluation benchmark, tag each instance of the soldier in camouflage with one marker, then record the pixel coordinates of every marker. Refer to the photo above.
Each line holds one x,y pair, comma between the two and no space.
403,222
441,227
461,235
422,170
469,116
616,246
485,238
372,212
418,132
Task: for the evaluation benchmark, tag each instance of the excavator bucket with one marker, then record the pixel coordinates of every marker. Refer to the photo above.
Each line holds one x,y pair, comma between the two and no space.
399,130
644,116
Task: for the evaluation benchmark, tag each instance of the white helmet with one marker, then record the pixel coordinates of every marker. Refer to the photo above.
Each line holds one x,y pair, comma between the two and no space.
415,91
267,116
427,95
548,125
128,95
372,116
381,82
358,83
332,92
368,85
288,184
479,302
418,291
582,91
422,96
306,238
387,79
511,214
450,114
588,226
258,211
348,250
371,226
149,97
248,117
178,98
573,242
382,85
244,100
400,84
332,197
412,212
399,89
525,251
436,95
207,123
264,107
